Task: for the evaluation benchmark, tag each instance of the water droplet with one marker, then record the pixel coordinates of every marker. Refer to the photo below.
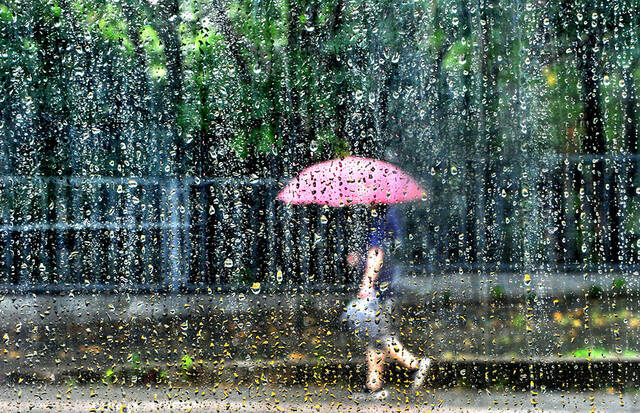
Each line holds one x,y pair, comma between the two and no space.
384,286
525,192
395,58
313,146
228,263
527,279
359,94
257,69
454,170
255,288
424,196
279,275
503,193
323,219
374,213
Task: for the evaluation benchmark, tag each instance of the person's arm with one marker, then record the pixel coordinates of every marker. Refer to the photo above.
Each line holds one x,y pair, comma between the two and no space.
374,263
354,259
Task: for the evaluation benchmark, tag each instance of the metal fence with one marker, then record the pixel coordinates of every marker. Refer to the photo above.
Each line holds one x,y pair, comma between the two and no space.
159,233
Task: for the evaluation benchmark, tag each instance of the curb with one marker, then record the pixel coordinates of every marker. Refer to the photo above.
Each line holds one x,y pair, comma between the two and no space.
512,374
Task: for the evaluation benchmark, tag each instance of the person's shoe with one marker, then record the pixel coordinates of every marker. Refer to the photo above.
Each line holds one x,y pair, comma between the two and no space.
421,373
369,394
380,394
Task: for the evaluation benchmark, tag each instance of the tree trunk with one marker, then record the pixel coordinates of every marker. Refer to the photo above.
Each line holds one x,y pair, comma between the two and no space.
594,144
168,31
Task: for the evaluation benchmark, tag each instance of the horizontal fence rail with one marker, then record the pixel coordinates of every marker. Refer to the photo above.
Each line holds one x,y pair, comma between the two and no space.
577,214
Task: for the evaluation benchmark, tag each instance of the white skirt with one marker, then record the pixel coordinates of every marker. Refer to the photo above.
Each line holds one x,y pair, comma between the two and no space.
368,319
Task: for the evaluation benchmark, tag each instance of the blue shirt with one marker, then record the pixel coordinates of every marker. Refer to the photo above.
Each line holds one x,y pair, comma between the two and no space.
386,232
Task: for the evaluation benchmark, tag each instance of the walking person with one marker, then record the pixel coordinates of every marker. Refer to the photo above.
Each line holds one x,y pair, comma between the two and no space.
349,181
370,314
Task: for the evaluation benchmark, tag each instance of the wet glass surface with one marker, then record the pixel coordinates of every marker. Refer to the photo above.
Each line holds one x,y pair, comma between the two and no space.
321,205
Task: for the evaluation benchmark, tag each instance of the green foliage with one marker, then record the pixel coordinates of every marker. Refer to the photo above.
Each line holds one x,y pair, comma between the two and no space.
5,13
498,293
186,363
457,58
600,353
113,28
595,292
619,284
134,359
248,87
110,376
518,322
151,41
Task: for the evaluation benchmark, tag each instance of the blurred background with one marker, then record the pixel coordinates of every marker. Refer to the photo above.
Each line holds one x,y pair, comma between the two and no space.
144,142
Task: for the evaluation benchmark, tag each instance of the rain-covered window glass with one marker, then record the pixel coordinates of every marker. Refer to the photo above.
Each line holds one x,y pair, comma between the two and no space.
319,205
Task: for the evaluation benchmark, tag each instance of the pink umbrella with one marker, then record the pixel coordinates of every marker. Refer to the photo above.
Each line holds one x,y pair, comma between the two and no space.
351,181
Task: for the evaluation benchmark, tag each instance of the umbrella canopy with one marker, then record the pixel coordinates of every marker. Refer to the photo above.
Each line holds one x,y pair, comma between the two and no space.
351,181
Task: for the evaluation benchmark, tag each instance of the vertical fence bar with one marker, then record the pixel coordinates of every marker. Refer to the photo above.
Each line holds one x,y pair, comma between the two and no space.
271,234
129,230
185,231
5,234
320,243
25,253
174,277
61,217
340,278
238,235
76,235
147,200
286,242
94,200
203,254
214,235
111,233
305,242
43,258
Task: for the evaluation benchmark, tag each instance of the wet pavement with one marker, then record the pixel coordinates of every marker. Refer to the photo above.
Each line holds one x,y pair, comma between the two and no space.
273,398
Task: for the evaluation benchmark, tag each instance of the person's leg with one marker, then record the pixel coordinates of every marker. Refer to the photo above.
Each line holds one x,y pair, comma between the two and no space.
375,361
396,351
